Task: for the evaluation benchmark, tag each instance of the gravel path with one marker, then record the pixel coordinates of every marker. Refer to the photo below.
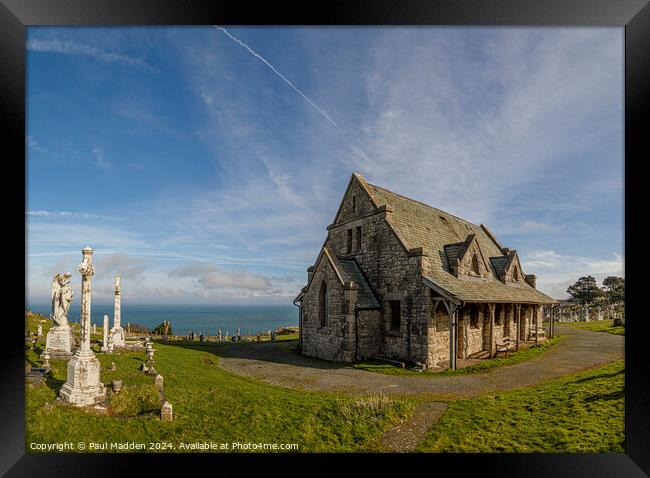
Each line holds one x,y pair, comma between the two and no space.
408,436
278,364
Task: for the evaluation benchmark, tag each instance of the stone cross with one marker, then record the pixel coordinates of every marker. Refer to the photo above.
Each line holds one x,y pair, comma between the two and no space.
82,386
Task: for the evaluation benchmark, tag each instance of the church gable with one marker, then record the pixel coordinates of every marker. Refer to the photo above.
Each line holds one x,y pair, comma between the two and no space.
508,267
466,259
357,200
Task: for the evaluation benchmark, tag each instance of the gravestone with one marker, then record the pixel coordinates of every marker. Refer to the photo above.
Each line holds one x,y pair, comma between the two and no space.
104,347
60,338
166,414
82,386
117,332
158,381
39,330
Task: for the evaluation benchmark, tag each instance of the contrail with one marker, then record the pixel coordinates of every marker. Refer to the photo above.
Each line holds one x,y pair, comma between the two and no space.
258,56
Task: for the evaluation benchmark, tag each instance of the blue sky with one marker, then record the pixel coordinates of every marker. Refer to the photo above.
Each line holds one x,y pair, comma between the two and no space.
204,164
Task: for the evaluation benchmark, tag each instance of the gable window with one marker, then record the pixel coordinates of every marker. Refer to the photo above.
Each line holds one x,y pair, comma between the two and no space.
354,204
475,268
395,314
357,246
348,245
324,305
515,274
473,316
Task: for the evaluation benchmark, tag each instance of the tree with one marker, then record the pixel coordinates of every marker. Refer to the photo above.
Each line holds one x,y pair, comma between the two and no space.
585,290
163,329
614,289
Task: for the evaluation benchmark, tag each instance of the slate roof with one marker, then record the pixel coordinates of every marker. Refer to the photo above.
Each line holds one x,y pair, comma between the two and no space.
347,270
499,263
365,297
439,233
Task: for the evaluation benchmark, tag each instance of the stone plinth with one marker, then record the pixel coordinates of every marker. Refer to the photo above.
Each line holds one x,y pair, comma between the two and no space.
60,342
119,337
83,387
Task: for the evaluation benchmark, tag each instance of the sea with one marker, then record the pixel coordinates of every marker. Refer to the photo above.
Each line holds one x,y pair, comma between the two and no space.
206,319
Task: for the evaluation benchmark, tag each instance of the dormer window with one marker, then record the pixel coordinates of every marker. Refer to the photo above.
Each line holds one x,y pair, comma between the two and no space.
475,267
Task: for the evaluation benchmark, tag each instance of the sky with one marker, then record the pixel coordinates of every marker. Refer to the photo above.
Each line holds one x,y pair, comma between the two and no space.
204,163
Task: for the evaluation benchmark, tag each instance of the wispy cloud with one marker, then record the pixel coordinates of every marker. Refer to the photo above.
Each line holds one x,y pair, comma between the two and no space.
209,276
557,271
67,214
100,161
33,144
284,78
74,48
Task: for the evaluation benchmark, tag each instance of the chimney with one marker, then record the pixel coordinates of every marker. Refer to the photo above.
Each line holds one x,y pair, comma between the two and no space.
531,280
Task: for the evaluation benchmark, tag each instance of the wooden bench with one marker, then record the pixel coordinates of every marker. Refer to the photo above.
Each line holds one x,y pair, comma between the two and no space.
504,345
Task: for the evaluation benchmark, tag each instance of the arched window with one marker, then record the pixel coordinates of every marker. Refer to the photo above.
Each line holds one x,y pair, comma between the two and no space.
515,274
475,268
324,305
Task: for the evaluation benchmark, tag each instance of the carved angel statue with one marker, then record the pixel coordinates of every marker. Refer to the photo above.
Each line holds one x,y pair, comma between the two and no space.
61,298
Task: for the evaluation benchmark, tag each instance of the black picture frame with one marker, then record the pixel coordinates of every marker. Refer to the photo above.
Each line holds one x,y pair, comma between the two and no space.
633,15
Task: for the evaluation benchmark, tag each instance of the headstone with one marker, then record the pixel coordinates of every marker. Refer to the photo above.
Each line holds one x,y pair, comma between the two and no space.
158,381
82,386
117,331
227,335
273,336
166,414
46,359
202,338
39,330
112,367
219,335
104,347
94,328
60,338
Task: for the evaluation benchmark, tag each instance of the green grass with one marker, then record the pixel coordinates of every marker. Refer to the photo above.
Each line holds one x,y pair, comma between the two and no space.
209,404
599,326
483,365
579,413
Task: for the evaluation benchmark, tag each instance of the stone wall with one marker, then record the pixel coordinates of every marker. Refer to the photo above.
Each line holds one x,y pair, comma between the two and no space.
332,341
438,338
391,271
368,333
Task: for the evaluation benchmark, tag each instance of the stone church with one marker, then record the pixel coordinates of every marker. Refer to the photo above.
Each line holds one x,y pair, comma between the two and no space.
401,280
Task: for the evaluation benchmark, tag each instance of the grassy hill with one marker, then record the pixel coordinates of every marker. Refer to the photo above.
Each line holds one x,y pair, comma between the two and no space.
583,412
